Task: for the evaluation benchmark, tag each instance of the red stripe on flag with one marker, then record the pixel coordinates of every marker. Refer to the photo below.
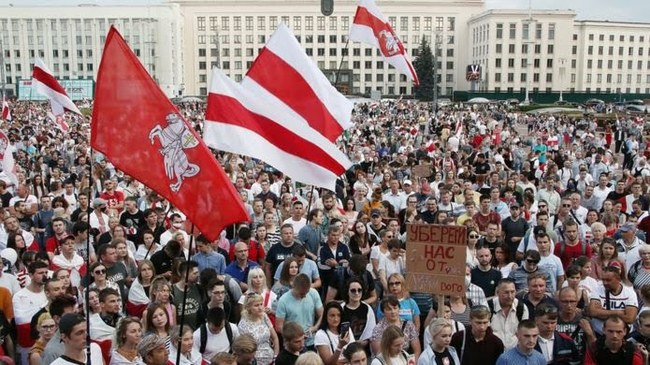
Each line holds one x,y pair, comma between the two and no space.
294,91
364,17
48,80
231,111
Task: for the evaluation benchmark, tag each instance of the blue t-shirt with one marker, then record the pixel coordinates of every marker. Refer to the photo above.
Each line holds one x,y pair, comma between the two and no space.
408,310
302,311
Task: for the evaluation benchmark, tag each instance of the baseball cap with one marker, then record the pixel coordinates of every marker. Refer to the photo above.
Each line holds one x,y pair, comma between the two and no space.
98,202
628,227
375,212
150,343
408,182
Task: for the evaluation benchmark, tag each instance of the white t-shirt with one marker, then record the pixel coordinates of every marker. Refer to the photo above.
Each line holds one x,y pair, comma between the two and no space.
215,343
297,226
627,297
375,253
329,339
95,357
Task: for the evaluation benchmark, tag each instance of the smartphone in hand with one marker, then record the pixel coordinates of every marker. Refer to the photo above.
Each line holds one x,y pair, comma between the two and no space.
345,328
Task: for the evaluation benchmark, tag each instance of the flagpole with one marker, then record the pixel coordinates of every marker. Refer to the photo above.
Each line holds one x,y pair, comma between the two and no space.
2,68
338,72
87,294
187,276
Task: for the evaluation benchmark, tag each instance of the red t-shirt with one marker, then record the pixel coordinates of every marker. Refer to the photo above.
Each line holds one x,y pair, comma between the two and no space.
571,252
113,199
255,252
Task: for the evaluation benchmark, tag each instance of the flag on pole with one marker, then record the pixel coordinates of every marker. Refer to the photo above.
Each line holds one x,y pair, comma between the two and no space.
60,122
143,134
369,26
47,86
303,88
251,123
6,112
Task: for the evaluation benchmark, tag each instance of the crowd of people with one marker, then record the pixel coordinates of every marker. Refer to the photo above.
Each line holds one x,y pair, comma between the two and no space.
557,271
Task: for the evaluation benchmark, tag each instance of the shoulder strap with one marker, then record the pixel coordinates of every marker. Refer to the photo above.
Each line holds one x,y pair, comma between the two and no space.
228,334
404,325
491,306
203,337
607,306
462,347
519,311
562,248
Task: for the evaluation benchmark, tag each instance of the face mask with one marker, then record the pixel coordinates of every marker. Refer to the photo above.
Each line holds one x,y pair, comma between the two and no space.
468,280
177,225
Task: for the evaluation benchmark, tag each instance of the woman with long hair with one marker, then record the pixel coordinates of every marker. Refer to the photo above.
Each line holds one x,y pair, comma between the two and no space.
38,187
257,284
408,308
260,237
99,281
156,321
256,323
349,206
503,260
139,293
17,242
361,242
93,301
472,240
390,350
127,337
607,254
359,314
290,269
285,208
329,340
355,354
183,342
390,307
46,327
124,257
440,352
160,292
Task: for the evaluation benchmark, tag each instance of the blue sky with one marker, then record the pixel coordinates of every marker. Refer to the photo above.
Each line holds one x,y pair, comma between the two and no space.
621,10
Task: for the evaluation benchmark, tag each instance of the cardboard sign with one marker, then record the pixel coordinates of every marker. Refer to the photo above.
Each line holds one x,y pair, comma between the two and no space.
435,256
422,170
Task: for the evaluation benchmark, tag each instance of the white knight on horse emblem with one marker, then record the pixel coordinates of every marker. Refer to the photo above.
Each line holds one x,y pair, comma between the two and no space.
174,140
391,43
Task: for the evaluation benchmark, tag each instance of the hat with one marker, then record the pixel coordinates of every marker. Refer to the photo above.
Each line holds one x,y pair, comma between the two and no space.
514,205
10,255
98,202
628,227
150,343
375,212
407,182
68,321
615,263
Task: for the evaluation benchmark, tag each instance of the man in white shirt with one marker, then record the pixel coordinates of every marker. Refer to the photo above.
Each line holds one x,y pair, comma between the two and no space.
297,219
176,226
214,337
610,298
395,197
8,280
601,191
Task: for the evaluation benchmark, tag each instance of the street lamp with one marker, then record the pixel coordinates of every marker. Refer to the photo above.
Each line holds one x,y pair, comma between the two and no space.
562,72
435,44
529,52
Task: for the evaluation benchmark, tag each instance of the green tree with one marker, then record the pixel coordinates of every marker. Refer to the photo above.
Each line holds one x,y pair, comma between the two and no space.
423,65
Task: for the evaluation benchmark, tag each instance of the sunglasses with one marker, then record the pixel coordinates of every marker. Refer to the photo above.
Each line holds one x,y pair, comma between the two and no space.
473,236
395,283
98,272
566,205
532,261
355,291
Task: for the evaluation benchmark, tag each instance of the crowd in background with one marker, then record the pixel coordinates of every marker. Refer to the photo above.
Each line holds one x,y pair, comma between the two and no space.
557,271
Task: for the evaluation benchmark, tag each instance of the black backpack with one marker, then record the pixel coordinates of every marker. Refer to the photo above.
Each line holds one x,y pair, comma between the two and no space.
204,335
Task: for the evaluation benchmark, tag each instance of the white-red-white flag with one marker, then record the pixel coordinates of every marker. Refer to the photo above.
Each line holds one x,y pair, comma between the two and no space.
253,123
47,86
60,121
6,112
283,71
369,26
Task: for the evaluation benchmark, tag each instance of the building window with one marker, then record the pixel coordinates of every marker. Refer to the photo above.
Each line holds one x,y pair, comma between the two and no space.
498,48
497,77
549,63
333,23
497,63
451,23
236,23
200,23
551,31
513,30
535,77
499,30
202,65
522,77
225,23
511,77
439,23
345,23
511,48
249,23
404,23
549,49
511,62
538,48
525,30
320,23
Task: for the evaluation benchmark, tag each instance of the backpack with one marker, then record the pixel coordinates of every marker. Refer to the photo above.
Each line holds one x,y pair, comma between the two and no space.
204,335
519,311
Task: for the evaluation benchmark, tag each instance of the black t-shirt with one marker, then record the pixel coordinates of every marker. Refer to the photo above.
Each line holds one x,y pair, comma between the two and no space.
486,280
132,223
6,197
286,358
514,229
444,358
26,223
358,319
162,262
277,254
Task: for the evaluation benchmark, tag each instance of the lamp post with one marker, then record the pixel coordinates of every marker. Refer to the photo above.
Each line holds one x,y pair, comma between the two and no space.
562,72
530,43
435,45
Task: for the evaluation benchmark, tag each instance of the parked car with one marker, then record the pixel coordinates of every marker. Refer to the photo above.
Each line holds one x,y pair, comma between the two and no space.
637,109
593,102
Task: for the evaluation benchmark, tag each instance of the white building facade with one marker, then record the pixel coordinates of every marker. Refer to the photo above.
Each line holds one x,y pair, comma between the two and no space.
548,50
70,41
229,34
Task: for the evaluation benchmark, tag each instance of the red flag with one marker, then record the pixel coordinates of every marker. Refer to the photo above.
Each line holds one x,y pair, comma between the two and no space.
136,126
6,113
